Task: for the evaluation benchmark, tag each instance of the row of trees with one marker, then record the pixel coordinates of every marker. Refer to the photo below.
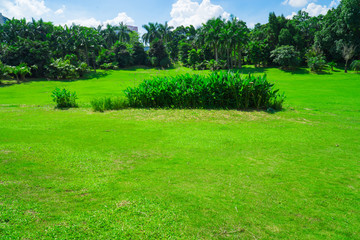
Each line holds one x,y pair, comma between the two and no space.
48,49
316,41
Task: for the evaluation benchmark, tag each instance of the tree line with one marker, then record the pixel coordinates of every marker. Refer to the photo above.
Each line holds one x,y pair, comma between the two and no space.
43,49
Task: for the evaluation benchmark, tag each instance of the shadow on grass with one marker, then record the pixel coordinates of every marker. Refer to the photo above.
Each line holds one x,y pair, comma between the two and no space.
296,71
134,68
248,70
88,76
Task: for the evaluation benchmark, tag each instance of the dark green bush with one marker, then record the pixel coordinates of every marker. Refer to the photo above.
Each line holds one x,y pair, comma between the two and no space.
64,98
316,64
355,65
332,64
107,103
315,59
229,90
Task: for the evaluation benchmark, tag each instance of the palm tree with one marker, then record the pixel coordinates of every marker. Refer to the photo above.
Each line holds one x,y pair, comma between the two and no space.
240,37
123,33
165,32
109,35
211,29
152,32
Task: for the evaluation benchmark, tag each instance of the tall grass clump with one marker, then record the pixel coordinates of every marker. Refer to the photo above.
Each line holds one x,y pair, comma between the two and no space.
226,90
107,103
64,98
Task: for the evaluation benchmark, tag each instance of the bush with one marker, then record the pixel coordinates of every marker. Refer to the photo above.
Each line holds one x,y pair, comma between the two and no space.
355,65
108,66
106,103
317,63
64,98
64,69
227,90
315,59
20,71
286,56
194,58
332,65
215,65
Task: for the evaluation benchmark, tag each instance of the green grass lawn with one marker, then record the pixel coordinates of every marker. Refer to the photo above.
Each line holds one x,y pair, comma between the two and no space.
191,174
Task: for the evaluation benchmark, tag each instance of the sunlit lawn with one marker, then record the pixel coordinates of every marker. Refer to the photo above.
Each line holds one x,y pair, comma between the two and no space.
192,174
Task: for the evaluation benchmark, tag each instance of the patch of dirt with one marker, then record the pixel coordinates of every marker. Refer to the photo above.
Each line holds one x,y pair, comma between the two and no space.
6,152
122,204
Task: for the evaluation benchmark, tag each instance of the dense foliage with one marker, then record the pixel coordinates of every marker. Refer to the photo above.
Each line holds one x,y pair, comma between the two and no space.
217,44
229,90
286,56
107,103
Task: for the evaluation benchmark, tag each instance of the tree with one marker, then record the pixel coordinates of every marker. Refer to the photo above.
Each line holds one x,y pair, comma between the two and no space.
286,56
20,71
123,32
139,55
315,59
285,37
348,53
211,31
194,57
109,35
152,33
184,48
165,32
158,55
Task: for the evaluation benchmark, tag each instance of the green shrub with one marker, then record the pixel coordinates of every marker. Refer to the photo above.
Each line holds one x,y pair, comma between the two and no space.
62,68
20,71
317,63
64,98
227,90
332,64
355,65
315,59
4,70
215,65
286,56
194,57
107,103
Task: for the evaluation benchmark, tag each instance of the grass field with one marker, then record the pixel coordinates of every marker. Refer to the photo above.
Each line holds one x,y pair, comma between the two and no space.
191,174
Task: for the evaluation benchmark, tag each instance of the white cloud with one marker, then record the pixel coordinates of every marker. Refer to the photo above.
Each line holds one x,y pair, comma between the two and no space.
334,3
296,3
291,16
87,22
92,22
60,10
37,9
188,12
23,8
121,17
315,9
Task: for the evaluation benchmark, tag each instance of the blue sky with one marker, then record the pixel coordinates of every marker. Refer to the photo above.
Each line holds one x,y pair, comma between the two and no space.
139,12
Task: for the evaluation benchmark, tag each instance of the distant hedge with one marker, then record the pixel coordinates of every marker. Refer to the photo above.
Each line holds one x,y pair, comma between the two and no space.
226,90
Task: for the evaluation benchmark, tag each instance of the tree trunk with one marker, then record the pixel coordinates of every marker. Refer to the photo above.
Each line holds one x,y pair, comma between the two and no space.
346,66
216,53
240,56
94,62
87,55
228,57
